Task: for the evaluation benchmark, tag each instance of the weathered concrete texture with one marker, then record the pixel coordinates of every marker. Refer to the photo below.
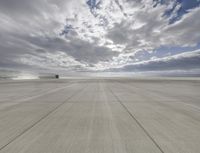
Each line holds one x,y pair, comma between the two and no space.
100,116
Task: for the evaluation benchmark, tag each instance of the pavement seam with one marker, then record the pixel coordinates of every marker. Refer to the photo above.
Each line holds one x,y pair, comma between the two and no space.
41,119
139,124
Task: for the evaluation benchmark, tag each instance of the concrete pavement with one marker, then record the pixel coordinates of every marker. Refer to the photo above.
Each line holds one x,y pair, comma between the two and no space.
110,115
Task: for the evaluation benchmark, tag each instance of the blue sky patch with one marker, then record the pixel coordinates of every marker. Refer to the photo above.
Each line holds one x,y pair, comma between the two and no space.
93,4
185,6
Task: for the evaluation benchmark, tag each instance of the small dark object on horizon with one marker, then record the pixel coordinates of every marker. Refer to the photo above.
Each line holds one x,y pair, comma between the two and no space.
49,76
57,76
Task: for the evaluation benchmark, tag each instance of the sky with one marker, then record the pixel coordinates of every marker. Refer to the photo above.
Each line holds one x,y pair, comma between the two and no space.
100,36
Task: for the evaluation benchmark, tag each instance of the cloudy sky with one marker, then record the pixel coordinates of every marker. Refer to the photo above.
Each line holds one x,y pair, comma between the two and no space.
100,35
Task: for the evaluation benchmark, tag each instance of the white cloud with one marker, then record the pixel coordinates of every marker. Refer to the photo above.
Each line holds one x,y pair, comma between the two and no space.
58,61
183,61
183,32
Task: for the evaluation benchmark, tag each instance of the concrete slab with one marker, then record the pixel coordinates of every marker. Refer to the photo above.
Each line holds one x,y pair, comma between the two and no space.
101,115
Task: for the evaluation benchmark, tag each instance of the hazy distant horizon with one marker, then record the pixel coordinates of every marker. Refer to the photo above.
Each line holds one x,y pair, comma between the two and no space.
21,75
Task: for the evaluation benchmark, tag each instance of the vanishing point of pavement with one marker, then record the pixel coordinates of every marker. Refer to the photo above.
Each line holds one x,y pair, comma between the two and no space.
110,115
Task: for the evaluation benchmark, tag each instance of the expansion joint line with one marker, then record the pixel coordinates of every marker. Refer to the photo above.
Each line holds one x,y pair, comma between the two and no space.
42,118
139,124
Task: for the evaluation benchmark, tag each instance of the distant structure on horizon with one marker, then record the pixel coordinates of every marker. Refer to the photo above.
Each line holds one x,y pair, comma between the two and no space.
57,76
49,76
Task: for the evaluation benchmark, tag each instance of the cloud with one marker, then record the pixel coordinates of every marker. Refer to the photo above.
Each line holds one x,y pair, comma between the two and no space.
52,61
80,50
92,34
149,29
183,61
183,33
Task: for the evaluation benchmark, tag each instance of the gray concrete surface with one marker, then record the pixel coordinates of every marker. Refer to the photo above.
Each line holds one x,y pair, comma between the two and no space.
119,115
